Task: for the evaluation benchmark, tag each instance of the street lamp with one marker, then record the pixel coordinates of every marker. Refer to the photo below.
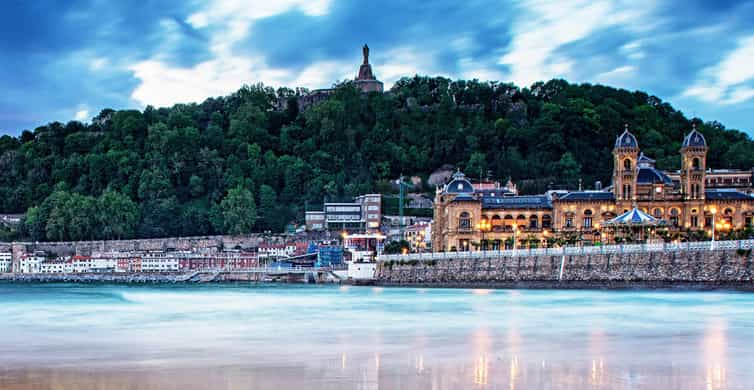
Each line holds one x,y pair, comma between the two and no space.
483,226
515,230
713,210
597,231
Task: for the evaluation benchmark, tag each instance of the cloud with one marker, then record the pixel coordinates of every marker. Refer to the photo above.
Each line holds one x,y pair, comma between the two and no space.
163,85
81,115
729,81
545,27
695,54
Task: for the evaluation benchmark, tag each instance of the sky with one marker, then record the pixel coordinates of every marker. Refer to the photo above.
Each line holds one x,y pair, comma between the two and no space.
67,60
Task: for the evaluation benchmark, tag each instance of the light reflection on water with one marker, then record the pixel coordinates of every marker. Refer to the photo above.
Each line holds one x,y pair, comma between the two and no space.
326,337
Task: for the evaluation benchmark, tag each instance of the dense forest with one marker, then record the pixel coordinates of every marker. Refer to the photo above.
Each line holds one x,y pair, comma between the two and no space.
237,164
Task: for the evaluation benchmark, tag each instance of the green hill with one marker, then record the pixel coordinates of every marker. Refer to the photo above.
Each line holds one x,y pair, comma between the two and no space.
235,164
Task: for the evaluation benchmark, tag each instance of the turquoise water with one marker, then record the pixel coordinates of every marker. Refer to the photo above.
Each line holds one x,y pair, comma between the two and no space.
289,336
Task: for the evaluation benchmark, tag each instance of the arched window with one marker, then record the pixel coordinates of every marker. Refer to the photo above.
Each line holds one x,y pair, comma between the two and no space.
626,191
674,216
657,212
728,216
508,222
497,223
464,221
627,164
546,221
521,221
695,163
533,222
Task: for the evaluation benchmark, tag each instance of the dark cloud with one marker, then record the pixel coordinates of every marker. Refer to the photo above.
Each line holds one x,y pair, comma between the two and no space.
385,24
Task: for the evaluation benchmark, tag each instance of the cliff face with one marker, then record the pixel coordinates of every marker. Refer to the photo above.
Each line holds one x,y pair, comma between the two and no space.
722,268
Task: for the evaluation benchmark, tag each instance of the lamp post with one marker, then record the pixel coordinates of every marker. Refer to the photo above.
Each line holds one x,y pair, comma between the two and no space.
483,226
515,230
597,231
713,210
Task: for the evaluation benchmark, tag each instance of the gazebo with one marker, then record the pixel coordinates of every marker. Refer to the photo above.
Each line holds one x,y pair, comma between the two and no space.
634,220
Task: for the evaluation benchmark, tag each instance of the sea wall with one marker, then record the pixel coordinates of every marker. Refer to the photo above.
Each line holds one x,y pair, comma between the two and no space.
696,268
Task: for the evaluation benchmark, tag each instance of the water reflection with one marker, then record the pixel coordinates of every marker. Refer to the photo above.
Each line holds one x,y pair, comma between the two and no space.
715,346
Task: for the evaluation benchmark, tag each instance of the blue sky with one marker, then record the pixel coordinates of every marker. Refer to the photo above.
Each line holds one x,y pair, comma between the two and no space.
64,60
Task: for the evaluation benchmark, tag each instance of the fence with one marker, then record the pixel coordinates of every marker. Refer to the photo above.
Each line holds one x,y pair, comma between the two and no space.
575,250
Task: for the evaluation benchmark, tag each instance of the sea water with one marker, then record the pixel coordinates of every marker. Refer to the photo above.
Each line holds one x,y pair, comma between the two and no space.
347,337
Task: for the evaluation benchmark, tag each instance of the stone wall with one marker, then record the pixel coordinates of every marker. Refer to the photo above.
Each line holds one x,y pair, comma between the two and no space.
208,243
732,268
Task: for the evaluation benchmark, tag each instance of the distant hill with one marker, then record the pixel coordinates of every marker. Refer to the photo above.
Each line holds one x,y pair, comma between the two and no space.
235,164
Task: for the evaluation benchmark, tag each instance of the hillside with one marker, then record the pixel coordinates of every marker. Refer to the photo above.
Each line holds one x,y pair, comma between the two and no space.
235,164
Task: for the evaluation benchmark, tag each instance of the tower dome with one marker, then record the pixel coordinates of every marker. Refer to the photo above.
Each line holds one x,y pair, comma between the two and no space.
626,140
694,139
459,184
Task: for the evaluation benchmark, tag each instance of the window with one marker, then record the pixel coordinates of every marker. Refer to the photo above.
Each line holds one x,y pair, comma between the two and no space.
707,221
587,219
747,221
695,191
694,221
657,213
627,164
569,221
626,191
674,217
695,163
546,221
464,221
533,222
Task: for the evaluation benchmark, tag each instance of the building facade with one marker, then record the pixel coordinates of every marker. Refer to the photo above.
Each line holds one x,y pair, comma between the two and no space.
694,199
364,214
6,262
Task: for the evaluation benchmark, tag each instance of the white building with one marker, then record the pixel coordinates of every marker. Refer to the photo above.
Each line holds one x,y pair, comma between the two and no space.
52,267
276,251
31,264
78,264
6,262
103,264
159,262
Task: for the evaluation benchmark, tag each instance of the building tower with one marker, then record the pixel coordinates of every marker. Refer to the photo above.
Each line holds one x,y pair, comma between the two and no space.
625,158
693,165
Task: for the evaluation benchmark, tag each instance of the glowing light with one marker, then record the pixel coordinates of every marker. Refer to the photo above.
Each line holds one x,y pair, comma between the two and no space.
481,370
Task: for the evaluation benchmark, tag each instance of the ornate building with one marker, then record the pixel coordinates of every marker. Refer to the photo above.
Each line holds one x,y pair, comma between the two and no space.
469,216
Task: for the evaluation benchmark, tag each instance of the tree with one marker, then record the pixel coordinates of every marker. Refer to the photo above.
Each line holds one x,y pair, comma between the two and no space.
268,209
568,169
477,165
237,211
394,247
117,215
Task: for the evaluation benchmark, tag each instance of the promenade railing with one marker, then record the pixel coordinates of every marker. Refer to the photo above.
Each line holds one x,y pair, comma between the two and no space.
576,250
